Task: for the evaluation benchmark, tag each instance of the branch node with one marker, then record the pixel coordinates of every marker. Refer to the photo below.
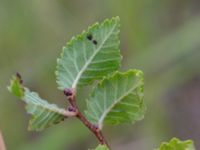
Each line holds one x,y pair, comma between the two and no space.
72,109
68,92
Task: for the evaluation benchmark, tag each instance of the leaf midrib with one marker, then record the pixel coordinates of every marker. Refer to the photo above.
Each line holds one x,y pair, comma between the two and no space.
45,107
90,59
51,109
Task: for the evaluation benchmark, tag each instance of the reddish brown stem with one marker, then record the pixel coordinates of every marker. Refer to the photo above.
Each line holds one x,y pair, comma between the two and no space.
93,128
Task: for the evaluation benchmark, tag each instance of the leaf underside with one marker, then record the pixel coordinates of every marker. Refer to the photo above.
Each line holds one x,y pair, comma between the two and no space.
117,99
176,144
43,113
83,61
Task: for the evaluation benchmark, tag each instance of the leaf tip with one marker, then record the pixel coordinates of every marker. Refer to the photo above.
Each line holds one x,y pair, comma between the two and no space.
102,147
15,86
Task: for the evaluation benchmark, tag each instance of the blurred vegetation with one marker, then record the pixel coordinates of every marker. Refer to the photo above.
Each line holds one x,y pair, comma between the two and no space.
160,37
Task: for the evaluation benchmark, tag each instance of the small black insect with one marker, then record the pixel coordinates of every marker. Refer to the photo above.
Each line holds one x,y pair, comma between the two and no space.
94,42
89,37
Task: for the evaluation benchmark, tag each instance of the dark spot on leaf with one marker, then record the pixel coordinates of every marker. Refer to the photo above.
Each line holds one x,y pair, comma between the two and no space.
94,42
89,37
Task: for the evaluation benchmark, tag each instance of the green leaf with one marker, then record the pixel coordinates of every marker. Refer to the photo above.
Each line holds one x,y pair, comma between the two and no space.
82,61
176,144
102,147
117,99
16,88
43,113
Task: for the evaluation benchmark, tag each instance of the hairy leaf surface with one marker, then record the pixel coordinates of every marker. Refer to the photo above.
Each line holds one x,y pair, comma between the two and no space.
43,113
90,55
176,144
117,99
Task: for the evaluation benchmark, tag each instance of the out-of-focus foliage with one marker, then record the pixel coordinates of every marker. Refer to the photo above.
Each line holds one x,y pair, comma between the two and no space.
176,144
159,37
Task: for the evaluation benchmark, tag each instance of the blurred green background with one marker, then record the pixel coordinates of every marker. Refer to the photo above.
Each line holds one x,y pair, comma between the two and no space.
160,37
